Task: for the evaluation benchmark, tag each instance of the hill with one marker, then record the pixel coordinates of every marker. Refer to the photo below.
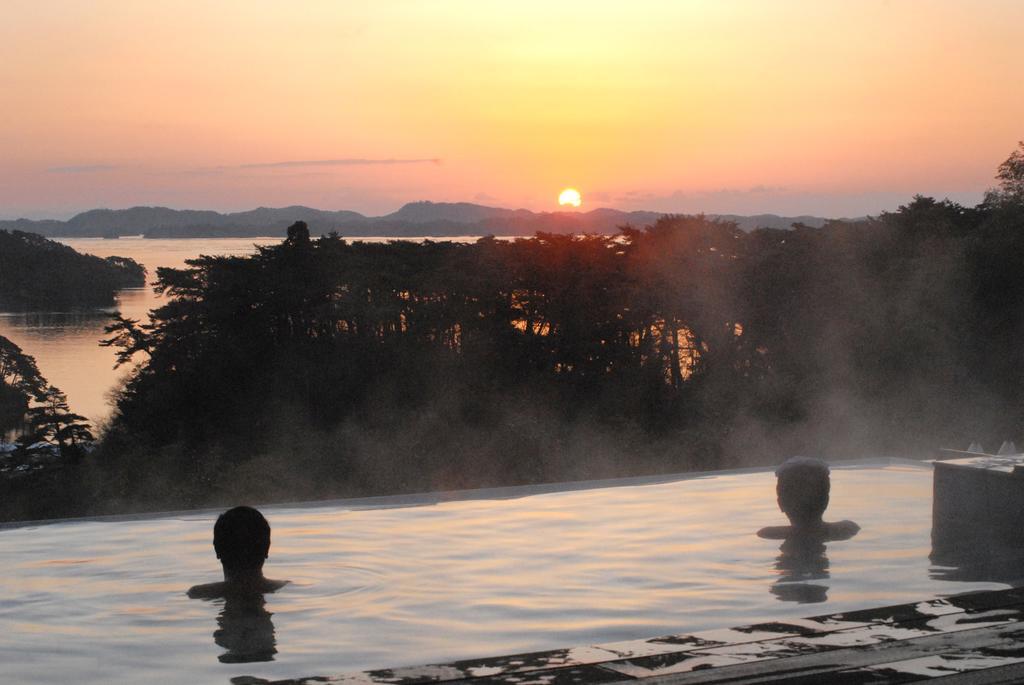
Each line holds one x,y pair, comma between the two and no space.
437,219
36,273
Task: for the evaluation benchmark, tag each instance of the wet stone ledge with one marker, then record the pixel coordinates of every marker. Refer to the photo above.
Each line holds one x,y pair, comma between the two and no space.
975,638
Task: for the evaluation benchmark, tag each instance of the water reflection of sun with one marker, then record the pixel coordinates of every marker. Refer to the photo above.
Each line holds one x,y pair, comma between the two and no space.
570,197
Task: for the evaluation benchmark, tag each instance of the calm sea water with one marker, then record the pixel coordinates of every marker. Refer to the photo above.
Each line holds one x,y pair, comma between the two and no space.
66,344
101,601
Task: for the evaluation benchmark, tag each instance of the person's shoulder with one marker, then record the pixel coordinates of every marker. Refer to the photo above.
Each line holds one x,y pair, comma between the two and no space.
775,532
842,530
206,591
274,585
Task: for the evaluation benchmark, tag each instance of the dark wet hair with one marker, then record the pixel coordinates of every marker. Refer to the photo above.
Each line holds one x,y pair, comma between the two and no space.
803,489
241,538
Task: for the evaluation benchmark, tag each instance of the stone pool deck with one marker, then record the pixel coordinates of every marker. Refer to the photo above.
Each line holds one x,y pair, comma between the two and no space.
969,638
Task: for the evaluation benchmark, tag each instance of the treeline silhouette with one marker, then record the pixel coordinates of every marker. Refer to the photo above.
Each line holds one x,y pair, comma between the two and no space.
37,273
320,367
35,415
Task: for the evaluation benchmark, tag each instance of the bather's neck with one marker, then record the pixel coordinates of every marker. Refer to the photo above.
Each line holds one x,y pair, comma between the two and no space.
244,577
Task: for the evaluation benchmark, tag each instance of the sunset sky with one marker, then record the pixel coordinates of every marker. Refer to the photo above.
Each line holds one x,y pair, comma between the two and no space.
829,108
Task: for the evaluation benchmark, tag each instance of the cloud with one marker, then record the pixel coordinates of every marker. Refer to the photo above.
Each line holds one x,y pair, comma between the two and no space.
780,200
484,197
299,164
719,200
680,195
82,169
350,161
256,166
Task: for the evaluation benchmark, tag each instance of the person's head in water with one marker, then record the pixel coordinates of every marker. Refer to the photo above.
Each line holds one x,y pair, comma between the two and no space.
241,538
803,487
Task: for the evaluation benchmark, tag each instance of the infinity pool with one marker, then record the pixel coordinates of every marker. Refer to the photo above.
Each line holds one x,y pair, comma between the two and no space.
431,579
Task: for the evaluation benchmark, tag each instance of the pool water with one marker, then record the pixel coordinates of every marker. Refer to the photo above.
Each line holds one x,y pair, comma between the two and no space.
431,579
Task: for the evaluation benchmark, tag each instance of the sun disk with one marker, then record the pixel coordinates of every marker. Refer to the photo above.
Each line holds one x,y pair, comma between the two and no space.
570,197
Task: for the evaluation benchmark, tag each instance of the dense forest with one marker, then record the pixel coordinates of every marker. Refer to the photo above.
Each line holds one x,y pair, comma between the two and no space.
321,367
36,273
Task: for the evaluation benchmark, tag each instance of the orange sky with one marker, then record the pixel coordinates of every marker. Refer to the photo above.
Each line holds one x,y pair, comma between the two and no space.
832,108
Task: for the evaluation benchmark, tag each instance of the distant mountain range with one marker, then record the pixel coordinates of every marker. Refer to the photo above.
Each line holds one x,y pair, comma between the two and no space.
427,219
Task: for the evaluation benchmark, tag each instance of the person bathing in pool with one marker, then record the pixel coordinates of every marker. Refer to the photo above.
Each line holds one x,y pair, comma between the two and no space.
803,488
241,538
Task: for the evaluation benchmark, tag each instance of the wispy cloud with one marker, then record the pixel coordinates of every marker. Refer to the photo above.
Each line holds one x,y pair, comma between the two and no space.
234,169
82,168
681,195
348,161
780,200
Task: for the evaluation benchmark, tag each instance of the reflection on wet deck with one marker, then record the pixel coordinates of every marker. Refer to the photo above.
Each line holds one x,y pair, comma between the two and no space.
979,636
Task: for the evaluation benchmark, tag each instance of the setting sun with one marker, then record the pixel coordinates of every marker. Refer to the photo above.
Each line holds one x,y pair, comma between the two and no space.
571,197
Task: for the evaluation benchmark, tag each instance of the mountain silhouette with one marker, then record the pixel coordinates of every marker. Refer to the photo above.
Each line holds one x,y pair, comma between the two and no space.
419,219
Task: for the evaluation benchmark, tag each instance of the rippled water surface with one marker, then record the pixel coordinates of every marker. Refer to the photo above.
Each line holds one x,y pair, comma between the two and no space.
408,583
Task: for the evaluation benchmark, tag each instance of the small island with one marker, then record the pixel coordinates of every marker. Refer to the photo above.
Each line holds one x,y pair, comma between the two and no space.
37,273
